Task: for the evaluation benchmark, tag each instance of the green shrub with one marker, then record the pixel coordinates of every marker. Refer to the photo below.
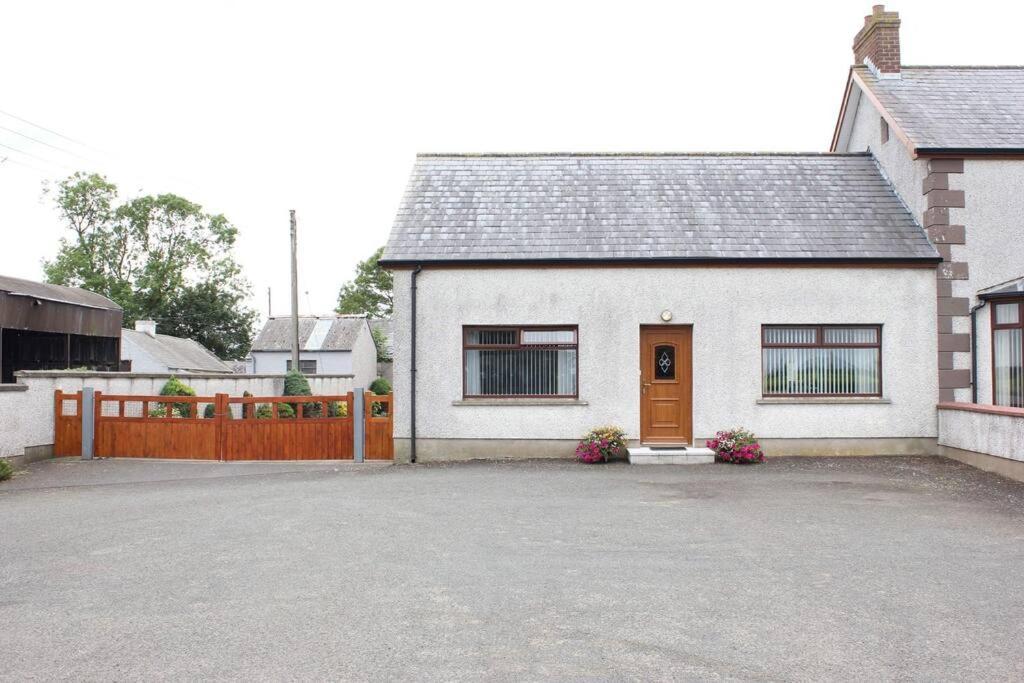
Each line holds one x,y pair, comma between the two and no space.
380,386
210,412
296,384
284,411
337,409
175,387
6,471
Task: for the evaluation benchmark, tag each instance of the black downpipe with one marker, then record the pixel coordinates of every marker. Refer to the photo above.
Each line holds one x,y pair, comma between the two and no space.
974,350
412,369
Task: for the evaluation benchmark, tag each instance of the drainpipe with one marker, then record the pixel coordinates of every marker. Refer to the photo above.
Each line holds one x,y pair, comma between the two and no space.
412,368
974,350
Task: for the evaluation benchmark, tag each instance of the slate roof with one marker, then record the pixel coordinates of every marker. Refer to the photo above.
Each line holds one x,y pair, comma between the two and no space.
177,353
58,293
673,207
316,333
954,108
1012,288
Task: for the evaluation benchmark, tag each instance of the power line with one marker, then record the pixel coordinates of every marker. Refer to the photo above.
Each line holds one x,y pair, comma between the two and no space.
36,157
43,142
48,130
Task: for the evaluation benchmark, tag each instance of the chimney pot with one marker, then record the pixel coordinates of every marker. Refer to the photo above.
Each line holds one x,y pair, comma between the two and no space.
146,327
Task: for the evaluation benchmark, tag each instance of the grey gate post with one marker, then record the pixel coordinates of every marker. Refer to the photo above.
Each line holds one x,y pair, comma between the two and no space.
88,422
358,424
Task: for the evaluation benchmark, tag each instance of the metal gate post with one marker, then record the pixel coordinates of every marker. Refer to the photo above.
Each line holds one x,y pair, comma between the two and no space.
88,416
358,424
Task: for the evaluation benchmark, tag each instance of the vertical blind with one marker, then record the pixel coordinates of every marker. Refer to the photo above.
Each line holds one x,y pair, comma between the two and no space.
821,361
1008,356
520,362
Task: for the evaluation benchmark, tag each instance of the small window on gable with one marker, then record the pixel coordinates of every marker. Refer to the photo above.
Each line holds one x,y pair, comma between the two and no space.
885,130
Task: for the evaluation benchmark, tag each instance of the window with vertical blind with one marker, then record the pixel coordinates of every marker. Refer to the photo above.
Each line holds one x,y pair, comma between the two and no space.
821,360
528,362
1008,354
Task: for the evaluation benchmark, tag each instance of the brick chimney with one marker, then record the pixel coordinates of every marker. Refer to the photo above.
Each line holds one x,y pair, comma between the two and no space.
878,44
146,327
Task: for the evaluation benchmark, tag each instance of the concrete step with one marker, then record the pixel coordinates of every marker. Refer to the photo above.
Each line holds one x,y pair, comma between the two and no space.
674,455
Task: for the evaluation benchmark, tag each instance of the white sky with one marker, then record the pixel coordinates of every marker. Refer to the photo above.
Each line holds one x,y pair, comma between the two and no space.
255,108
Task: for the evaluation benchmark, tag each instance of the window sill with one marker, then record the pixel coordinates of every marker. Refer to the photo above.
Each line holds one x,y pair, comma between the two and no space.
520,402
824,400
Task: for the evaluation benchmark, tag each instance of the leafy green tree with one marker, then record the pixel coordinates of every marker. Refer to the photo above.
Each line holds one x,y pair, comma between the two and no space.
160,257
370,293
380,340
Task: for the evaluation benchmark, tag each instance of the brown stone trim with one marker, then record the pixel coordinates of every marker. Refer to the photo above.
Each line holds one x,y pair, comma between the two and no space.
946,395
955,342
952,271
948,198
982,408
940,165
959,305
936,215
947,234
945,251
943,288
945,360
954,379
945,324
935,181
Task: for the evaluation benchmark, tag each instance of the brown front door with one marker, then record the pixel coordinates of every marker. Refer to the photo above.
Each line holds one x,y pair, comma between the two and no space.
666,384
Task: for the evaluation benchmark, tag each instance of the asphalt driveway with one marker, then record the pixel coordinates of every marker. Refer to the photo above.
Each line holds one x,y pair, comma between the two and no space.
867,569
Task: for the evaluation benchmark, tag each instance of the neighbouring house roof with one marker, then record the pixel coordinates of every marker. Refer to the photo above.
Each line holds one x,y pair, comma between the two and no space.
66,295
953,109
671,207
176,353
1013,288
316,333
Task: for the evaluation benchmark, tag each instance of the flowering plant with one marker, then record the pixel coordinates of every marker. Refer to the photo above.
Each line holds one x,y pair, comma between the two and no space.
736,445
600,444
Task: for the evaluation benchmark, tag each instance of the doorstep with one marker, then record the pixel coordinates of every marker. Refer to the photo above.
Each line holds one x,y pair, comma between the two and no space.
670,455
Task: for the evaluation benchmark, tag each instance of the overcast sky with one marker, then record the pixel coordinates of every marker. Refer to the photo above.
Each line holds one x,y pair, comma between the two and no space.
252,109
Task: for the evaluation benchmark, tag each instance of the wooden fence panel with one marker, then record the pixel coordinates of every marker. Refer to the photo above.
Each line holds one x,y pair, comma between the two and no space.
159,430
301,437
379,427
67,423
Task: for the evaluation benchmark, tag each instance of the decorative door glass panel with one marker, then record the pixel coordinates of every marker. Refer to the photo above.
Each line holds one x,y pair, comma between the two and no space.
664,362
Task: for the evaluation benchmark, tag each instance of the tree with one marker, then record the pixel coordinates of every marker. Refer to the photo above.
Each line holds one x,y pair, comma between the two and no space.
370,293
380,340
159,257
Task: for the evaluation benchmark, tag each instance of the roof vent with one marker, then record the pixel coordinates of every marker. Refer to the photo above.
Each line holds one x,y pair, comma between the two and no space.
146,327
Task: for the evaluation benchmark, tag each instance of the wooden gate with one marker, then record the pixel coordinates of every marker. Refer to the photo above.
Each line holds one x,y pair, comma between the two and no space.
67,423
225,428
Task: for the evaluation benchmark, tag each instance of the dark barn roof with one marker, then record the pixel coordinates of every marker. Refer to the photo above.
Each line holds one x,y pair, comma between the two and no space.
671,207
28,305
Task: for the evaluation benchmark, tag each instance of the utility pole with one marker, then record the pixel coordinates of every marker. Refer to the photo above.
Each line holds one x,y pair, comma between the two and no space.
270,309
295,293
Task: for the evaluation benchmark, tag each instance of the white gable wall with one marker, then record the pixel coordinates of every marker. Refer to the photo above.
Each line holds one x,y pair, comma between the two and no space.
903,172
327,362
726,307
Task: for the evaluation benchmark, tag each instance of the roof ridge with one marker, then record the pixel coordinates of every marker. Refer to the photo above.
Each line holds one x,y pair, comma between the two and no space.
499,155
962,66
